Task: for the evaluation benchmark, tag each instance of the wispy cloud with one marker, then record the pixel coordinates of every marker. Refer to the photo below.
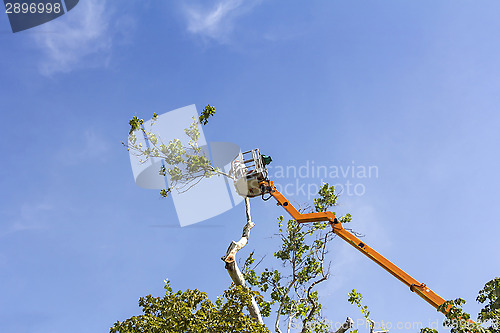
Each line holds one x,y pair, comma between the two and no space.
81,37
216,22
28,216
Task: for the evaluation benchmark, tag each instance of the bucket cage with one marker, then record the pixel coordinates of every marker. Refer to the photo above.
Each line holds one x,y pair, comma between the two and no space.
248,170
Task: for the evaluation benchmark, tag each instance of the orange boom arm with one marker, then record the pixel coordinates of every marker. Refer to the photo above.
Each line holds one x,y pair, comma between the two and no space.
420,288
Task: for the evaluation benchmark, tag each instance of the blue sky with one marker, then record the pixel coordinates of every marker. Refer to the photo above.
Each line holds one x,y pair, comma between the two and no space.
409,87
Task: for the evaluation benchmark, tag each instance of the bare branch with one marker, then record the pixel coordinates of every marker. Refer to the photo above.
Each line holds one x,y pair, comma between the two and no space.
289,324
345,326
231,266
314,305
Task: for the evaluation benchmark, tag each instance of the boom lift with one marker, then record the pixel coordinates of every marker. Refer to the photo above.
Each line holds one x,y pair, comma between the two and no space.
251,179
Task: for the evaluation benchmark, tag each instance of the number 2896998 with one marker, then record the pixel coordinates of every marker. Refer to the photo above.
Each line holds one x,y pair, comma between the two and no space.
32,8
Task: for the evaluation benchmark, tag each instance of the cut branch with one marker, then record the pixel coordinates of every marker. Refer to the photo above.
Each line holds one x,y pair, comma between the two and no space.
346,326
232,267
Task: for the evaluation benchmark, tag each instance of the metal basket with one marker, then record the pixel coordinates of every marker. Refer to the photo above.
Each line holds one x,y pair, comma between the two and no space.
248,171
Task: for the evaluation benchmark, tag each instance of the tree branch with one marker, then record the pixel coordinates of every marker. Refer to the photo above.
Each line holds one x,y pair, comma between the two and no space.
232,267
312,302
345,326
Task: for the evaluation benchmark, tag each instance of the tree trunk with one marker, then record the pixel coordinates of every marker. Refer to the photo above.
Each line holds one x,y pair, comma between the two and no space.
232,267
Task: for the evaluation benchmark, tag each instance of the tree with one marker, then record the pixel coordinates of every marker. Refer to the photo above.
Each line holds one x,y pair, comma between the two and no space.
192,311
302,252
289,292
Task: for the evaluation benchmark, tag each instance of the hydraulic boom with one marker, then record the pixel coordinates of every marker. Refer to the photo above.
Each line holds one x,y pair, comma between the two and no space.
420,288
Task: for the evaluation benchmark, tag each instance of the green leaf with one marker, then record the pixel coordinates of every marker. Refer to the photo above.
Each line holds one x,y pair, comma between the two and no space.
207,112
135,124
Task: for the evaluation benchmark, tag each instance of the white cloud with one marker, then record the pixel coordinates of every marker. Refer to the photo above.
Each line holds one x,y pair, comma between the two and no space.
217,22
81,37
27,217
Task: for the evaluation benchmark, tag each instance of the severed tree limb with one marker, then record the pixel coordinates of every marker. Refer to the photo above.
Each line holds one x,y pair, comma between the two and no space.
345,326
232,267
